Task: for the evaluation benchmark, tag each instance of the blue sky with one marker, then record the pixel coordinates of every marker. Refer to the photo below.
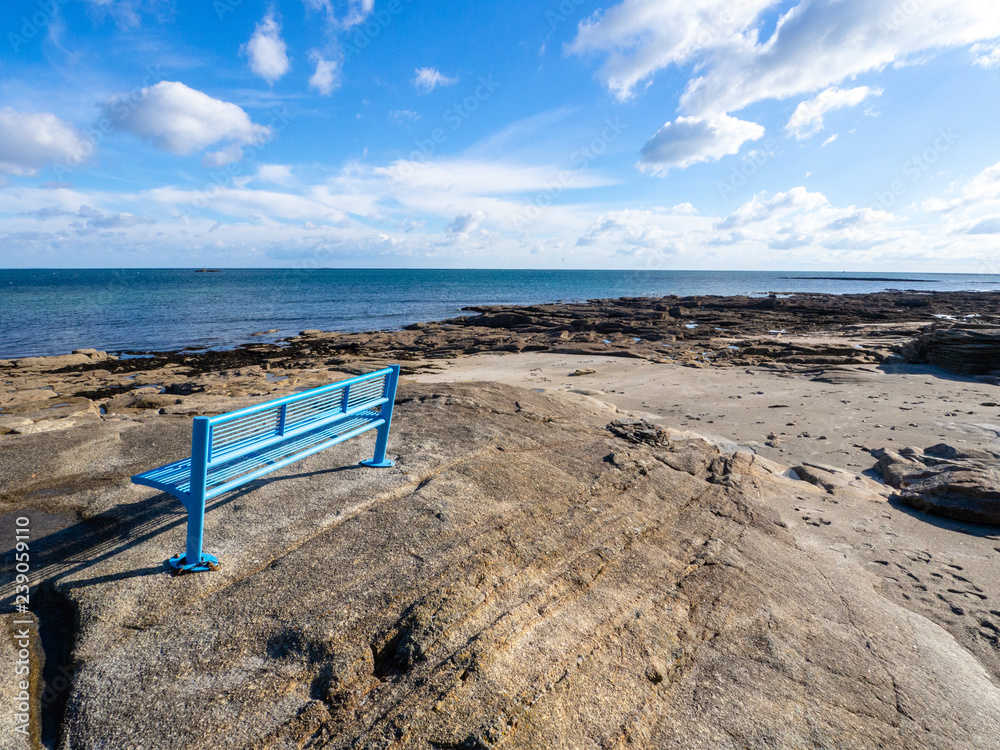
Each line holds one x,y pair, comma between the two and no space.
718,134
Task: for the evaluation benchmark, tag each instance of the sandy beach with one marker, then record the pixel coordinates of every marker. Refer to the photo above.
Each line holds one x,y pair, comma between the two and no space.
783,416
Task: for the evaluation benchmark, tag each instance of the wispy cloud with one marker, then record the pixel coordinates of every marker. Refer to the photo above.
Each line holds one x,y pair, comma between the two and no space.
428,79
807,119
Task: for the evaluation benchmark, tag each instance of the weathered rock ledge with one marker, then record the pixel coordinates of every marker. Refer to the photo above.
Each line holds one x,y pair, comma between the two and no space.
532,574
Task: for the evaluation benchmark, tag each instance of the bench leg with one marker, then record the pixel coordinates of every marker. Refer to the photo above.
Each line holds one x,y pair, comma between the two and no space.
194,560
382,436
202,561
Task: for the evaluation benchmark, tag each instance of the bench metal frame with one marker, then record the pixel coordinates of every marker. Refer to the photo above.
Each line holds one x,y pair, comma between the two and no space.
230,450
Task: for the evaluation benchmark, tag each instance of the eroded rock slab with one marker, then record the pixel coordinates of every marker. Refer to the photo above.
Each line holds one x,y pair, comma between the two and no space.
964,485
525,577
962,350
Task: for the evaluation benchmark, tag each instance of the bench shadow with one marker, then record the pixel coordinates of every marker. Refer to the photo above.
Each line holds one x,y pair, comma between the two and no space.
87,543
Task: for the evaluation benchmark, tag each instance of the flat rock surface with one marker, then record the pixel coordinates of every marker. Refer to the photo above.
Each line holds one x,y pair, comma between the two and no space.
534,573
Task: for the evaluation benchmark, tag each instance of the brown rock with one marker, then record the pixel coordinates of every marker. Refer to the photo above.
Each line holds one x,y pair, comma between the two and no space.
964,485
959,350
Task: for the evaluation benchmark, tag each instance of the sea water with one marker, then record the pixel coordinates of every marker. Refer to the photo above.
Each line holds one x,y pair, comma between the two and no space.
44,312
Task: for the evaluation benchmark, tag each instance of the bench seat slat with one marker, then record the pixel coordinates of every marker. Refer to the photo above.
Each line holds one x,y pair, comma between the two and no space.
175,478
242,414
249,445
332,437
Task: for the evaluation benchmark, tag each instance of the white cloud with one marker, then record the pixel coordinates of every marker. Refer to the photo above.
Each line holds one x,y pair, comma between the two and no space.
357,12
972,207
798,220
126,13
795,228
652,233
322,6
327,75
466,223
830,140
986,55
401,116
684,208
183,120
761,208
244,204
689,140
30,141
98,220
980,193
820,43
267,50
481,177
279,174
231,153
807,119
641,37
816,44
427,79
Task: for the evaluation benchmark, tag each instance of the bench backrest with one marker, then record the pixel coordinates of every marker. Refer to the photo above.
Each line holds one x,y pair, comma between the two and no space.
247,430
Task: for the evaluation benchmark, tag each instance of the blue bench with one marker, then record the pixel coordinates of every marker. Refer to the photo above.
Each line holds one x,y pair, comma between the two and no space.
233,449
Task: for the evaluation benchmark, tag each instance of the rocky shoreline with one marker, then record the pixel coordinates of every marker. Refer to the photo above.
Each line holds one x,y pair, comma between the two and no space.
691,331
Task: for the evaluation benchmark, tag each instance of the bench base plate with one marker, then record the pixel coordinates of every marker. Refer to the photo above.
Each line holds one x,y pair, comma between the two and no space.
378,465
207,563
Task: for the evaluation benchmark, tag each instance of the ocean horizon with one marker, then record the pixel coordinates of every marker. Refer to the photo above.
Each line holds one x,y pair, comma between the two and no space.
126,311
